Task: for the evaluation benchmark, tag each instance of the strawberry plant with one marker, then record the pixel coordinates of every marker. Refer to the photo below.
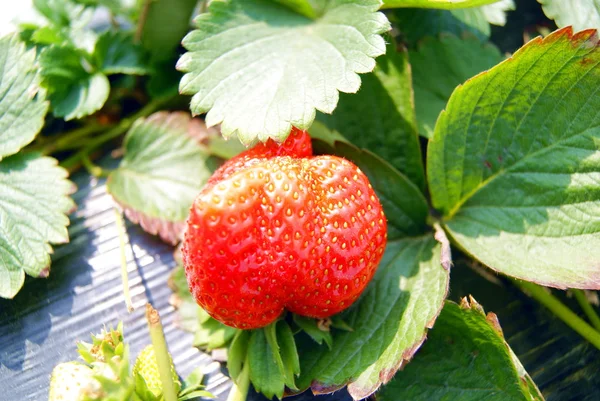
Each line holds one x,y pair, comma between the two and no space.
104,374
321,165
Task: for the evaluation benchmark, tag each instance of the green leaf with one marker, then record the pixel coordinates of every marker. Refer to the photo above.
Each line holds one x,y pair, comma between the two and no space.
390,322
265,375
465,358
444,4
67,24
32,216
117,54
194,379
404,205
441,64
418,23
303,7
581,14
311,327
165,26
48,35
236,354
162,172
289,353
22,107
127,8
281,342
381,116
514,161
258,68
63,13
74,90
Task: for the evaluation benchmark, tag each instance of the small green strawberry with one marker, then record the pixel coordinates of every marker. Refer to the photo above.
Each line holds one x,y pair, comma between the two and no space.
72,381
146,367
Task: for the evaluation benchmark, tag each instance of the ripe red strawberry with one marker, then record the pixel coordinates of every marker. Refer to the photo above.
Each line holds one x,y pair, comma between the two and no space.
276,228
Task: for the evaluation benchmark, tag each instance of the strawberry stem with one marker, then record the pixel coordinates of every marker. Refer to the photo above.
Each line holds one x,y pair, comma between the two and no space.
114,132
587,308
124,277
543,296
67,140
239,389
93,169
161,352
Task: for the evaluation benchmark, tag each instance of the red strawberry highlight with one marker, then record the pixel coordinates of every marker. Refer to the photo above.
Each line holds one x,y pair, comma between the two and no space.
276,228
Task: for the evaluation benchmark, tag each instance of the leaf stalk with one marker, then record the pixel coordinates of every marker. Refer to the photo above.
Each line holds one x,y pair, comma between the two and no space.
116,131
588,309
239,389
124,277
543,296
161,352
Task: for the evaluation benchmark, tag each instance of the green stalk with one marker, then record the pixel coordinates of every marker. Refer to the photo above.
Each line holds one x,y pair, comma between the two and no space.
139,30
541,295
124,277
116,131
239,389
161,352
66,139
93,169
588,309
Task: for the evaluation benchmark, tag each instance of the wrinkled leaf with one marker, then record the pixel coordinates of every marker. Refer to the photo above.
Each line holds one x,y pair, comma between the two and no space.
73,90
404,205
117,54
465,358
33,212
162,172
581,14
258,68
445,4
514,163
381,116
439,66
390,322
22,107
